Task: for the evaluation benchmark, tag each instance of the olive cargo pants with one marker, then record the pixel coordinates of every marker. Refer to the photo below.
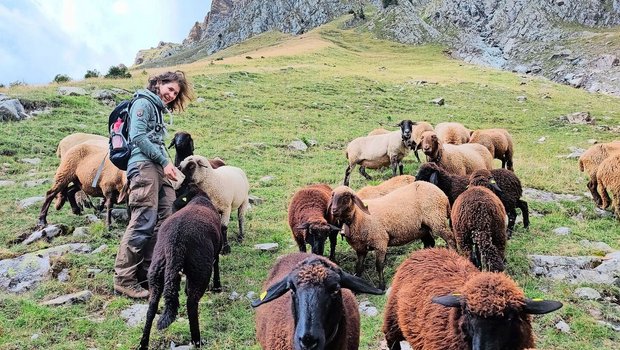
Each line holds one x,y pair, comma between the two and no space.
150,201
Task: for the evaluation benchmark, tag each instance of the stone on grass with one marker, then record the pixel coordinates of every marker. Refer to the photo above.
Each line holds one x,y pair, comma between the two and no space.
31,161
6,183
28,202
367,309
69,299
562,231
587,293
71,91
255,200
267,247
438,101
80,232
48,233
135,315
35,183
234,296
562,327
297,145
251,296
102,248
521,98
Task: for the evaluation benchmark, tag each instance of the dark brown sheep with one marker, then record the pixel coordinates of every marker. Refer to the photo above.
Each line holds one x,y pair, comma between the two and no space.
308,218
479,223
485,310
319,313
453,185
188,241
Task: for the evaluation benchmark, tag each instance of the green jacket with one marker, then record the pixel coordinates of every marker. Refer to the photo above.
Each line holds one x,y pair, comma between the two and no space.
147,129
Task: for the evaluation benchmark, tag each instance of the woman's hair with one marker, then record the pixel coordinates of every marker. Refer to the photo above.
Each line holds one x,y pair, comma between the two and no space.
186,92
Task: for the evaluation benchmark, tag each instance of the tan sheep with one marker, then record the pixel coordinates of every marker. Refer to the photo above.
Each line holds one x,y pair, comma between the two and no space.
461,159
369,192
79,165
77,138
401,216
590,161
379,131
452,133
608,178
416,136
498,142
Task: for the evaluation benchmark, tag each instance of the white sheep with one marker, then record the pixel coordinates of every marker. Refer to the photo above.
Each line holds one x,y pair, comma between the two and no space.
401,216
227,187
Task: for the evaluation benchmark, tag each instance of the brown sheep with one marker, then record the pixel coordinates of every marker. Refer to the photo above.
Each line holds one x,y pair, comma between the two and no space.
440,301
498,142
416,136
590,161
320,312
409,213
79,166
309,219
479,223
461,159
78,138
387,186
452,133
608,178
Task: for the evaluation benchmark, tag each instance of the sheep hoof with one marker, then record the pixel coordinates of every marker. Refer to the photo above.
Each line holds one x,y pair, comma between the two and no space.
216,289
226,249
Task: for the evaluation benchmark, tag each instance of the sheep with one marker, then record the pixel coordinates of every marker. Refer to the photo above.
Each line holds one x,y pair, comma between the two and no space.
452,133
479,223
309,219
401,216
79,165
590,161
379,131
498,142
608,178
227,186
456,159
387,186
440,301
320,312
379,151
78,138
188,241
184,146
416,136
453,185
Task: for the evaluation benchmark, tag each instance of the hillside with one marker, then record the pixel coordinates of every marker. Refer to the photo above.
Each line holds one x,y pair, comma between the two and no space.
324,87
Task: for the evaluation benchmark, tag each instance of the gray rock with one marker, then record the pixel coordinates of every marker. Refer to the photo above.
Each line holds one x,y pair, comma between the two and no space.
102,248
12,110
438,101
541,140
578,118
35,183
24,272
521,98
597,246
592,141
587,293
545,196
92,218
251,296
6,183
173,346
93,272
266,179
71,91
135,315
577,270
234,296
576,153
297,145
563,327
120,215
32,161
104,95
63,275
35,336
603,213
367,309
562,231
200,100
69,299
47,232
81,232
267,247
255,200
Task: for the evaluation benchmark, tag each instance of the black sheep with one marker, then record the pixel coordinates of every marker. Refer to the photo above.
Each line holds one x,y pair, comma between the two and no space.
453,185
189,241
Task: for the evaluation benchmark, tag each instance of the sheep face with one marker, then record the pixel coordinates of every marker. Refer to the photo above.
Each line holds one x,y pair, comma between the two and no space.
182,140
317,305
316,233
342,204
190,167
484,178
430,144
428,172
493,316
406,127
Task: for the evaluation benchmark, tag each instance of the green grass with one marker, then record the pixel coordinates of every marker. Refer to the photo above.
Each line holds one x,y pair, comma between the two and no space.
252,110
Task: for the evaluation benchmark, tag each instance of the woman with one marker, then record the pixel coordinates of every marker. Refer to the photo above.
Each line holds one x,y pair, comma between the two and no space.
149,173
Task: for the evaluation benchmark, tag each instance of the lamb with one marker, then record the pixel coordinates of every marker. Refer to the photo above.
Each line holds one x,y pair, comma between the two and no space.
227,186
453,185
498,142
309,219
461,159
440,301
379,151
321,311
387,186
416,136
479,224
79,166
401,216
188,241
591,159
608,178
452,133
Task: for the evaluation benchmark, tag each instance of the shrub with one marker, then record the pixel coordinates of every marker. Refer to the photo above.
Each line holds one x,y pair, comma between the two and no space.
116,72
92,74
61,78
17,83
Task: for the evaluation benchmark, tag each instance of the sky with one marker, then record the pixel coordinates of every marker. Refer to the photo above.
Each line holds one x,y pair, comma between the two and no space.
42,38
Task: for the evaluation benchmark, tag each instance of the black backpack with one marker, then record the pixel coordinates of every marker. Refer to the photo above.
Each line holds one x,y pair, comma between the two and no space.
118,125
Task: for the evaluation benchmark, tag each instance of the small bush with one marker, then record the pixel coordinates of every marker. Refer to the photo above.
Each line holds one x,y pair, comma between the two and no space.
118,72
92,74
17,83
61,78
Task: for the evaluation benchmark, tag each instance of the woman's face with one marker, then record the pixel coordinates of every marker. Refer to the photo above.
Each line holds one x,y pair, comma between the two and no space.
168,92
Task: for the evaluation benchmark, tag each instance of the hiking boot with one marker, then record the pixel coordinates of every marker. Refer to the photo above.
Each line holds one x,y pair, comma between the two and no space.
135,291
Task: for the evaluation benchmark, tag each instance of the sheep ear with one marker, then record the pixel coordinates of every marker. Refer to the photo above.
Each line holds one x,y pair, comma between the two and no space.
495,187
450,300
334,228
273,292
303,226
433,178
357,285
171,143
539,307
360,204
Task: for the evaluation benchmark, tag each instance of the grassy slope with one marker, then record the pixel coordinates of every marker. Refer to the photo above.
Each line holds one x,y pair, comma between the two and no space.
252,110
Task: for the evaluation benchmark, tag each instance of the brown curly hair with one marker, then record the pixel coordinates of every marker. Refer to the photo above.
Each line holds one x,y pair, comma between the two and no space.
186,92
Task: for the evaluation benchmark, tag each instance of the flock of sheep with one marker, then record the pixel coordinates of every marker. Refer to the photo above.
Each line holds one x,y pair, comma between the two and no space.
441,298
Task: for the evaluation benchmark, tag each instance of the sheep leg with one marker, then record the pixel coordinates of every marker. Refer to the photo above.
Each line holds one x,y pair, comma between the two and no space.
156,280
241,219
401,167
217,284
509,162
379,264
347,173
393,334
602,191
300,243
109,200
362,171
524,211
428,241
394,165
595,196
75,208
196,287
417,156
512,218
225,245
49,196
333,240
359,264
